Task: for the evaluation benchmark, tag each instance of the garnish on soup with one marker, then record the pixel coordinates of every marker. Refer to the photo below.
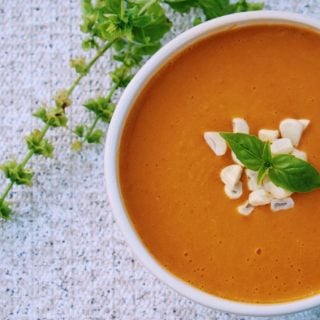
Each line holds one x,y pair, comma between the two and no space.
274,168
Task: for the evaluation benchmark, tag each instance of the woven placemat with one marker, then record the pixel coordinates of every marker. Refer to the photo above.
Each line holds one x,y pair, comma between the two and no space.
62,256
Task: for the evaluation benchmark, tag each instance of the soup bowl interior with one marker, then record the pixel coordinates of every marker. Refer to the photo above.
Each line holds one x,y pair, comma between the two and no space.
112,148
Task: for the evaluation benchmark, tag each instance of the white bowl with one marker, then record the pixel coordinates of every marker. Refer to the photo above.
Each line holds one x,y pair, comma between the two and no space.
111,161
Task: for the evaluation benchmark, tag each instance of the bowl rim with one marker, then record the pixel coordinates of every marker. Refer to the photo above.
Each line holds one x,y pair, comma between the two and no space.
111,163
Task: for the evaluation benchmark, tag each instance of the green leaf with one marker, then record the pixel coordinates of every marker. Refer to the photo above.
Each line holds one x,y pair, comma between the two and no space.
119,45
197,21
54,117
41,113
130,54
141,21
131,21
181,5
5,210
255,6
39,145
95,136
261,174
147,49
79,131
267,158
88,44
88,22
214,8
248,149
101,107
87,6
266,154
121,76
157,26
217,8
113,6
243,5
18,175
80,65
293,174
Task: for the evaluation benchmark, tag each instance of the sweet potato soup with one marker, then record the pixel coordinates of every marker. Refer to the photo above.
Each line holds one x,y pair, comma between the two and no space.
170,178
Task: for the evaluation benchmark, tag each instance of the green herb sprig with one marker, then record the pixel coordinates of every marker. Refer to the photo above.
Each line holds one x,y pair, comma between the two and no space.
52,117
214,8
139,27
285,171
132,30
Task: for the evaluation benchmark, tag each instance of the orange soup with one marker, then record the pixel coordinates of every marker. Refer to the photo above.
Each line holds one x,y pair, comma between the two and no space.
170,178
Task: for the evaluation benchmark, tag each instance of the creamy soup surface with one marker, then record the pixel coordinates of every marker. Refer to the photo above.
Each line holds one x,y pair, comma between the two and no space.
170,178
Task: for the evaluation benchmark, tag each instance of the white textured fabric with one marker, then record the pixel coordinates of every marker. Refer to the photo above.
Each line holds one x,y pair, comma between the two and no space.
62,256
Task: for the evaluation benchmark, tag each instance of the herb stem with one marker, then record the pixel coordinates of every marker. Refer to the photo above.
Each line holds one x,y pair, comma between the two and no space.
26,158
6,192
93,126
97,118
111,92
100,53
45,129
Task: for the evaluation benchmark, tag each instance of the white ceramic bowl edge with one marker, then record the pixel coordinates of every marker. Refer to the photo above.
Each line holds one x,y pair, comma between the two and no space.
111,159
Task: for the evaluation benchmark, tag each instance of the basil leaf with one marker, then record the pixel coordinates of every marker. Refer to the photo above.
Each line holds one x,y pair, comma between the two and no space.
293,174
181,5
243,5
267,157
248,149
266,154
262,173
217,8
214,9
113,6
